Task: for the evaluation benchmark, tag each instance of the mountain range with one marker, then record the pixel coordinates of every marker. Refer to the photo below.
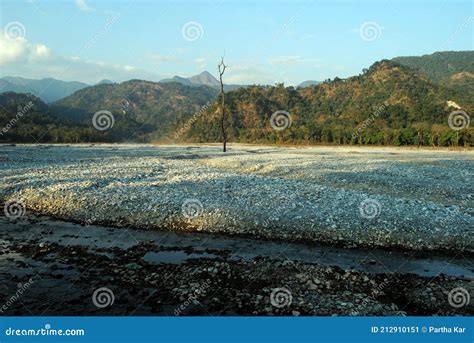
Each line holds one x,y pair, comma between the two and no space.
48,89
412,98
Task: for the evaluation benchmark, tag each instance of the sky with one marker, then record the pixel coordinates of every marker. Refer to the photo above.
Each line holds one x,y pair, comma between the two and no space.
264,42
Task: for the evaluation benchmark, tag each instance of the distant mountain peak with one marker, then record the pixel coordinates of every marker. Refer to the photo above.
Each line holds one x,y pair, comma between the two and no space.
105,82
309,83
204,78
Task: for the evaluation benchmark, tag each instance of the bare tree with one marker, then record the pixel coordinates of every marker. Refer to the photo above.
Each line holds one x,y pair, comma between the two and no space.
221,66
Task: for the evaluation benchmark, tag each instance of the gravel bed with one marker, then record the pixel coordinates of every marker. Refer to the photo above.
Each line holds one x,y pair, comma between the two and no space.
388,197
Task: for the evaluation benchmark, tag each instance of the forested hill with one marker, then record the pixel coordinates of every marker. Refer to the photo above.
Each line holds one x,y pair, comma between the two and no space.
447,66
142,110
26,118
387,104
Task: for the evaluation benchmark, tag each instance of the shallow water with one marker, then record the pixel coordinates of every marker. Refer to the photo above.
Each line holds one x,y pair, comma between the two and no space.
181,247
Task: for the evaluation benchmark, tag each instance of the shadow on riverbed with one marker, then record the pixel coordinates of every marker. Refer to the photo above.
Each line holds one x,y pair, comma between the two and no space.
60,266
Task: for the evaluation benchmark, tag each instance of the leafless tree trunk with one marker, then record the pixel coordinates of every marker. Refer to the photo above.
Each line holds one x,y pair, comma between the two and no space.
222,67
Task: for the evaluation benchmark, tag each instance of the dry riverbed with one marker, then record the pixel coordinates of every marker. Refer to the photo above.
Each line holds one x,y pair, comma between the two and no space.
412,199
318,231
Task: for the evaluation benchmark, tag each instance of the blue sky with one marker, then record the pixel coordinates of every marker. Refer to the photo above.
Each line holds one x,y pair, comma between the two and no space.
263,41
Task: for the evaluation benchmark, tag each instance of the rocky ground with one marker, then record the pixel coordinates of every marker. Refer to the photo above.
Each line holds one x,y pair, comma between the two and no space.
405,198
257,231
103,271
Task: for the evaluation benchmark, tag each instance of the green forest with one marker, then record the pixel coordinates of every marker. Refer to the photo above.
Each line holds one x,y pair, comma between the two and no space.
387,104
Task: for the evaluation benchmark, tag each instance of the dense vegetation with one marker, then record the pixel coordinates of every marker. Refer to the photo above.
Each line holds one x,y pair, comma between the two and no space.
453,69
387,104
27,119
142,110
441,66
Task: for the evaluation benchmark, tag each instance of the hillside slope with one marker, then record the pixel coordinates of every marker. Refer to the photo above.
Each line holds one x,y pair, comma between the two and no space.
442,66
26,118
142,110
388,104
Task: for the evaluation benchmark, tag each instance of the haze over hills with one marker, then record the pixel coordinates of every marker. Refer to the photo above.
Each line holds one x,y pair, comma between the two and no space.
47,89
404,105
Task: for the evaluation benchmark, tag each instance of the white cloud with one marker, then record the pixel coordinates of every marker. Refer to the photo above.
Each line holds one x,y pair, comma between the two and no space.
42,51
21,58
81,4
20,50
